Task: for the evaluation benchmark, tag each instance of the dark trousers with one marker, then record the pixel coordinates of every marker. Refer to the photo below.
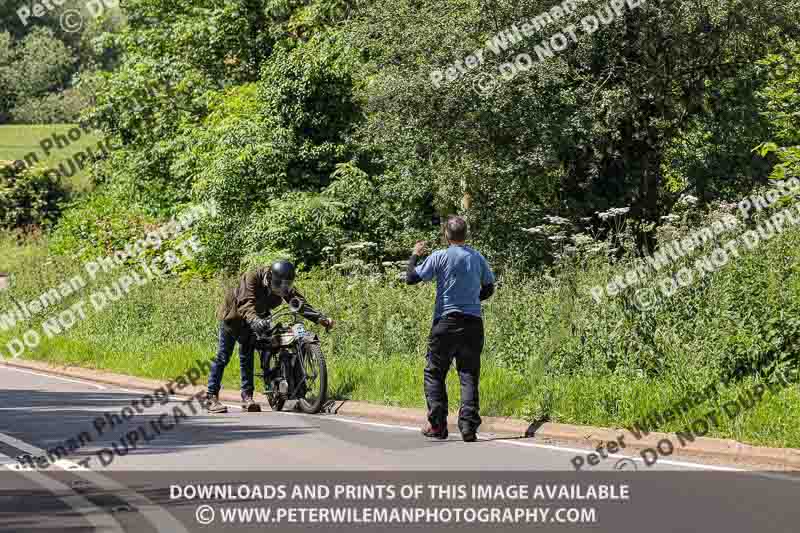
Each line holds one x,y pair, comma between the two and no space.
461,337
227,341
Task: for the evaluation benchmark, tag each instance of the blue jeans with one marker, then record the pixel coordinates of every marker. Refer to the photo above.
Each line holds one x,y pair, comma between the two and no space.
224,352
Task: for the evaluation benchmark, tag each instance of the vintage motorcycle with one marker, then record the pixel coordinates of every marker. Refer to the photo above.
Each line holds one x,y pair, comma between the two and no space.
292,362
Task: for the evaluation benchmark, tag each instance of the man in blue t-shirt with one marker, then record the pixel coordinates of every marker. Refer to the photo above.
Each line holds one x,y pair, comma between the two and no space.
463,281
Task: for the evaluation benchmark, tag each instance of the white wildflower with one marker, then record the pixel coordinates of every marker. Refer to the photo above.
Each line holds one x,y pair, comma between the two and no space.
557,221
582,239
538,230
613,212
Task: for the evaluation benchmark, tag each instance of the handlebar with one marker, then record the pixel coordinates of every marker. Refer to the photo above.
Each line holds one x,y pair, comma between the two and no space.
295,307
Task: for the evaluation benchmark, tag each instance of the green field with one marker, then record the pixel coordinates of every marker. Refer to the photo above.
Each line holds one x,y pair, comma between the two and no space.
17,141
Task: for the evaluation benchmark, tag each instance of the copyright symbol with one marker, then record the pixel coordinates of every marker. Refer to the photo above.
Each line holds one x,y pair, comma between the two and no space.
72,21
645,299
485,84
625,464
204,515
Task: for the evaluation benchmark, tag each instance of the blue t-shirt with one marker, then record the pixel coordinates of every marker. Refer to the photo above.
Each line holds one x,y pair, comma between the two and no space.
460,273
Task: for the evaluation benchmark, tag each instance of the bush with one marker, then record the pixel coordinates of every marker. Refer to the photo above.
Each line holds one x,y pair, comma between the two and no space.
266,152
298,226
57,108
29,196
99,224
781,97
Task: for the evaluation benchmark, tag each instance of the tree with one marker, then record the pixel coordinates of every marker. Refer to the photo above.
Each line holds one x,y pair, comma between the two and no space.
782,101
581,131
41,59
6,76
43,64
33,67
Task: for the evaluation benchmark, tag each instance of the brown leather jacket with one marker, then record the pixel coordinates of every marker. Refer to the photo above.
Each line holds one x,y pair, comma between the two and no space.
253,299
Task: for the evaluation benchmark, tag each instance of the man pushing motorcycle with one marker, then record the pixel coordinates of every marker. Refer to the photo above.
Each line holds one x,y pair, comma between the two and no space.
244,317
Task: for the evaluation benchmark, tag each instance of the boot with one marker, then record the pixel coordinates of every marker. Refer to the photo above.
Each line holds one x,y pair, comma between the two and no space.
434,432
469,436
214,406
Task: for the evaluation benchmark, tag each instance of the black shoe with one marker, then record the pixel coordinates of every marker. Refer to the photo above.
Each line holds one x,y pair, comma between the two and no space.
249,405
469,437
435,432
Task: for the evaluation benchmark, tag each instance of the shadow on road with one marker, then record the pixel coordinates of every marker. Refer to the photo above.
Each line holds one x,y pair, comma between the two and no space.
49,418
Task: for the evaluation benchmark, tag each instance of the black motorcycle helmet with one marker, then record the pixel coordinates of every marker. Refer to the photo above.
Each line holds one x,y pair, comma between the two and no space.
281,277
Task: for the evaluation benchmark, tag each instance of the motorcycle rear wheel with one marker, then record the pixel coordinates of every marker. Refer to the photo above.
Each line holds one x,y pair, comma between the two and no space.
275,399
314,364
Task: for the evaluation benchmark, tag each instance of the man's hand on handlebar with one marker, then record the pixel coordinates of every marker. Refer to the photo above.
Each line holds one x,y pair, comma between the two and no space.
260,327
327,323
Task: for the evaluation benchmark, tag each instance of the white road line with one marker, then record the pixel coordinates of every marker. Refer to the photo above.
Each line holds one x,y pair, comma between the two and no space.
89,383
618,456
531,444
33,450
582,451
99,519
535,445
155,514
365,423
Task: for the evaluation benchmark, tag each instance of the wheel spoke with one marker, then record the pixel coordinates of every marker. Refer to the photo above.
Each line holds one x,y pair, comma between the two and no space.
315,379
312,373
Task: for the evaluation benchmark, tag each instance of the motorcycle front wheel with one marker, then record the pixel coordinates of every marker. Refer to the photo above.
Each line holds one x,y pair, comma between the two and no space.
316,380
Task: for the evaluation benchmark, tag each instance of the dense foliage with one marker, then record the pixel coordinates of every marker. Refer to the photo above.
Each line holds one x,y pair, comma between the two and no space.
29,197
332,104
782,96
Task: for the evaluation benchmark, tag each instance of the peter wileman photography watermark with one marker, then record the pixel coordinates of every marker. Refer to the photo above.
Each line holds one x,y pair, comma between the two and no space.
668,253
501,42
71,20
699,427
103,297
73,164
486,82
143,433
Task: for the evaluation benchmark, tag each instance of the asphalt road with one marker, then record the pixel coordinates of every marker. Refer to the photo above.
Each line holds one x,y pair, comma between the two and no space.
40,412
